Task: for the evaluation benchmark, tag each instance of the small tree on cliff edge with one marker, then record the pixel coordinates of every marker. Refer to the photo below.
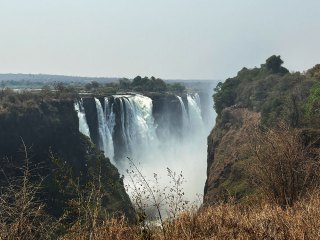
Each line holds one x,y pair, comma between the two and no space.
274,65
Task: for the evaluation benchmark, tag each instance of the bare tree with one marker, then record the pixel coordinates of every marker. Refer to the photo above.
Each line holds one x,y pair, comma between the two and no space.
22,214
283,166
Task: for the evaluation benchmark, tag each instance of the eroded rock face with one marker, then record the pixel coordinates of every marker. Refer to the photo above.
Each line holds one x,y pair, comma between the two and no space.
91,116
167,114
52,128
225,158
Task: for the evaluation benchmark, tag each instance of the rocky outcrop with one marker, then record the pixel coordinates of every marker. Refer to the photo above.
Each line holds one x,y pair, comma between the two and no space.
91,116
268,95
225,156
50,129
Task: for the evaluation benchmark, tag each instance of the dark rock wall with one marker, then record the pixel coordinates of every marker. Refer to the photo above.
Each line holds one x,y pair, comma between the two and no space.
167,114
92,118
53,127
121,149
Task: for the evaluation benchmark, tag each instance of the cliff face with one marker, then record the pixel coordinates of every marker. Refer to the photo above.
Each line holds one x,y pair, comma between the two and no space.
224,163
167,114
264,96
50,129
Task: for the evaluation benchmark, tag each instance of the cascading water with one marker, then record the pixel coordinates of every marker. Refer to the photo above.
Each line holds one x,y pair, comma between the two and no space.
137,123
185,117
83,126
128,128
105,137
196,122
109,115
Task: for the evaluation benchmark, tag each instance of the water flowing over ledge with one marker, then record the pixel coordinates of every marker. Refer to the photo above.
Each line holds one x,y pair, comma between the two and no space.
158,132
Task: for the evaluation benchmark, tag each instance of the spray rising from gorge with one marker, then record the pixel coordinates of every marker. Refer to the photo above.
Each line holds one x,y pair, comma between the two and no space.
157,132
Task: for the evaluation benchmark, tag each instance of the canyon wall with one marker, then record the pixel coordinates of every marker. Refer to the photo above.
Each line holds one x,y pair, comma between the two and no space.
50,131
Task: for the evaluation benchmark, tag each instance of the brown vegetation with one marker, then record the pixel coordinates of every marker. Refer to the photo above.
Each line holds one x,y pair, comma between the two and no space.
22,215
221,221
227,221
283,166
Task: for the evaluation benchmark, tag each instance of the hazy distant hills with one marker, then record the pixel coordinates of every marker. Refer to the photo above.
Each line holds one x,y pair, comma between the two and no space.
52,78
48,78
37,81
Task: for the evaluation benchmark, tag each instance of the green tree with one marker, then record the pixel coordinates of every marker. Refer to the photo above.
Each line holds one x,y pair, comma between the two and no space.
124,83
92,85
312,105
176,87
137,81
225,94
314,72
274,63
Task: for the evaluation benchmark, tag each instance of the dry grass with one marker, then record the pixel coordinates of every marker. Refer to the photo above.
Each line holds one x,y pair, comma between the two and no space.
114,228
250,220
283,167
225,221
22,214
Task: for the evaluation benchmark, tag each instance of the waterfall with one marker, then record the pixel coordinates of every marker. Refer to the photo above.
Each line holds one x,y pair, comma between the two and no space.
174,137
136,129
105,137
137,123
109,115
144,128
83,126
129,123
196,122
185,117
123,133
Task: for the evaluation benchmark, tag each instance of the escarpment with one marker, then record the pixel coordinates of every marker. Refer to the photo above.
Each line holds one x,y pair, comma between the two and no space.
60,157
263,97
225,157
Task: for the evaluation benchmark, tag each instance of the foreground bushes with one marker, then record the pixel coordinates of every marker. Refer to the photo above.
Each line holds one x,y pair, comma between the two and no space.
284,167
225,221
250,220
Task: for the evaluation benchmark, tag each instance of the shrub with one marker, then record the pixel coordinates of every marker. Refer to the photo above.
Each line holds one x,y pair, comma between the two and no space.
22,214
283,167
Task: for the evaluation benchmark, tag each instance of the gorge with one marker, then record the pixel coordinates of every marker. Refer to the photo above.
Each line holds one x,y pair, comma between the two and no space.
157,131
73,138
80,145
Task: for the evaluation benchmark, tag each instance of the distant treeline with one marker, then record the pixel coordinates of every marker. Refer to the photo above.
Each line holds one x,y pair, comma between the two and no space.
138,84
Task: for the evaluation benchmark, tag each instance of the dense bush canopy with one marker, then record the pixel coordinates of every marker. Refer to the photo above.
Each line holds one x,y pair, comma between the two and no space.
273,91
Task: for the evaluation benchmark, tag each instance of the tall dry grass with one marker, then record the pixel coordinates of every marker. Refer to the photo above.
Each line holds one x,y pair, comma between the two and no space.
22,214
225,221
258,220
283,167
265,221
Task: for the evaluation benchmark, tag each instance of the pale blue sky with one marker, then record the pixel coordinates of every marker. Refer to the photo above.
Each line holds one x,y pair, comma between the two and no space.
184,39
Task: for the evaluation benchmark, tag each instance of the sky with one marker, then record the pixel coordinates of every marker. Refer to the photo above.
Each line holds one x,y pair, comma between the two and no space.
170,39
